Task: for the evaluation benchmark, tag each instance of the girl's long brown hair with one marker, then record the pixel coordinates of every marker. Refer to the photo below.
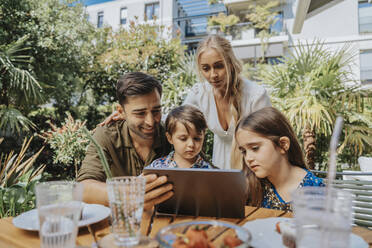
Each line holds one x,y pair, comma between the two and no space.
271,124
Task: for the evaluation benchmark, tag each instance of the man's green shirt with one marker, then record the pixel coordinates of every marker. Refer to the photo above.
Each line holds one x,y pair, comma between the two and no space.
120,153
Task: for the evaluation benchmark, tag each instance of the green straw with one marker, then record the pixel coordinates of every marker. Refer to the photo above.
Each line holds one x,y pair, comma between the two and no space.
101,155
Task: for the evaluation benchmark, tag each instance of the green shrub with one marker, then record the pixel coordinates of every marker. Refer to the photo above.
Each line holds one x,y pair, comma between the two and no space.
18,177
141,47
69,143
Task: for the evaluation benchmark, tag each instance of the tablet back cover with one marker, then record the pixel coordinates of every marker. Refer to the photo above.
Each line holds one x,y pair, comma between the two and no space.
204,192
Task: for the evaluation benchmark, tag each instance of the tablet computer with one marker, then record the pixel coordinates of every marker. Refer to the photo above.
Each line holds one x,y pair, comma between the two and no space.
204,192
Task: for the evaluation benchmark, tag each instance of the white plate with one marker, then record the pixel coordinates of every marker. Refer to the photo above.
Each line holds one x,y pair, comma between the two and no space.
92,213
264,234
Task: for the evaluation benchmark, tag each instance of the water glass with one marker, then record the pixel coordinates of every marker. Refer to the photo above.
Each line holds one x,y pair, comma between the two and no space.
126,197
319,225
59,208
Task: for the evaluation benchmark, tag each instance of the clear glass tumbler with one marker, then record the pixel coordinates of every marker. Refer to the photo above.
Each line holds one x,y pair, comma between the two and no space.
126,197
319,225
59,208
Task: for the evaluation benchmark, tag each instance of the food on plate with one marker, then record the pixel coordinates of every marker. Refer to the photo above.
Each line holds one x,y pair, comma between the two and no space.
288,232
232,241
196,237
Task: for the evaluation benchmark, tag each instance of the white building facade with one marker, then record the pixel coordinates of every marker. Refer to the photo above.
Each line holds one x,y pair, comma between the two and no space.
334,22
119,13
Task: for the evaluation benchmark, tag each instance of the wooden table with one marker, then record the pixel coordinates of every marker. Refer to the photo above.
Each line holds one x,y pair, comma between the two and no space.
12,237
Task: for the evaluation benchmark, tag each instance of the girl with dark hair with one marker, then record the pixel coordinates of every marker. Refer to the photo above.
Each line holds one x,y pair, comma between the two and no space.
272,159
185,129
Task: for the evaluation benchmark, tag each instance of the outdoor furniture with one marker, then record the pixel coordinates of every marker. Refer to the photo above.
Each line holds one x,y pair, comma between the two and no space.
12,237
341,175
362,190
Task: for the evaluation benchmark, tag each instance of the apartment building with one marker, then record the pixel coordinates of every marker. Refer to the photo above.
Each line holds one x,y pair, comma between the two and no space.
335,22
118,13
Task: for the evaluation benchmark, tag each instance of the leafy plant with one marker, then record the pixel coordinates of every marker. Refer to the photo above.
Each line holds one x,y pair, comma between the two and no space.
263,18
314,85
180,82
214,1
13,166
18,87
68,142
57,47
140,47
17,181
223,21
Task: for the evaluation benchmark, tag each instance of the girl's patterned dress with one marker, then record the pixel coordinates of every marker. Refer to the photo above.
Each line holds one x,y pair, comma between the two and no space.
273,200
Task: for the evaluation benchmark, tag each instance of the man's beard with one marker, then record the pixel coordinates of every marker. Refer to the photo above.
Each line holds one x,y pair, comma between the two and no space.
137,131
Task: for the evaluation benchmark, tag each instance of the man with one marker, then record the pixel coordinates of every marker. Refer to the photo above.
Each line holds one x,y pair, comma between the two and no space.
131,144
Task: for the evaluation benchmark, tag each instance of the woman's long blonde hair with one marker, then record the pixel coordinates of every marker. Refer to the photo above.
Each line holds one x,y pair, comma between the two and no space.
234,81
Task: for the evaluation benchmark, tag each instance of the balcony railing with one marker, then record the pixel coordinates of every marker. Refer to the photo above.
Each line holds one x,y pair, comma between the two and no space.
366,74
196,29
365,17
242,31
365,27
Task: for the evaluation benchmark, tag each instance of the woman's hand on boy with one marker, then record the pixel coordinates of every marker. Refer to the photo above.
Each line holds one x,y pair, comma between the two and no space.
115,116
157,190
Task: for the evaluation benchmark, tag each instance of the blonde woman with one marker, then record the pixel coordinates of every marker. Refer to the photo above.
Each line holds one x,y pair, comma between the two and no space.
224,98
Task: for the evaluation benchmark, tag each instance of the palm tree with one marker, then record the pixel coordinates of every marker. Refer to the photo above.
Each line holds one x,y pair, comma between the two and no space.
18,87
311,88
177,86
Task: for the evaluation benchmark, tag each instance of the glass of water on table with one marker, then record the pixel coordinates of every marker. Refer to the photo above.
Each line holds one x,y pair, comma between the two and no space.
323,217
126,197
59,208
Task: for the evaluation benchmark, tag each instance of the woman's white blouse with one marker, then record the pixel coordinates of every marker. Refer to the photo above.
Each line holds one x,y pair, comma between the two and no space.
254,97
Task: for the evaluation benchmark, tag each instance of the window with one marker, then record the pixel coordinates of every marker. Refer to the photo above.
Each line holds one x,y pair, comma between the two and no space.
151,11
365,17
123,16
277,28
196,26
100,19
366,66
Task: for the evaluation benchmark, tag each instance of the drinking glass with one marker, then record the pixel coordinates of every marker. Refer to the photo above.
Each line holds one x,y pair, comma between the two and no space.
59,208
319,225
126,197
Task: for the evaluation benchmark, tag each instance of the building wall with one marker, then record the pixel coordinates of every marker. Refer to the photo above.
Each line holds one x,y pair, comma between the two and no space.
334,20
336,24
136,8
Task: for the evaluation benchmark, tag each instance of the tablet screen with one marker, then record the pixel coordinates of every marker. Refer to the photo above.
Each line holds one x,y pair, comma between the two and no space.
204,192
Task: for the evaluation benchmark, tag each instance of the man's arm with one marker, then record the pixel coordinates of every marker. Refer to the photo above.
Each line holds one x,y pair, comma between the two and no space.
157,191
95,192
